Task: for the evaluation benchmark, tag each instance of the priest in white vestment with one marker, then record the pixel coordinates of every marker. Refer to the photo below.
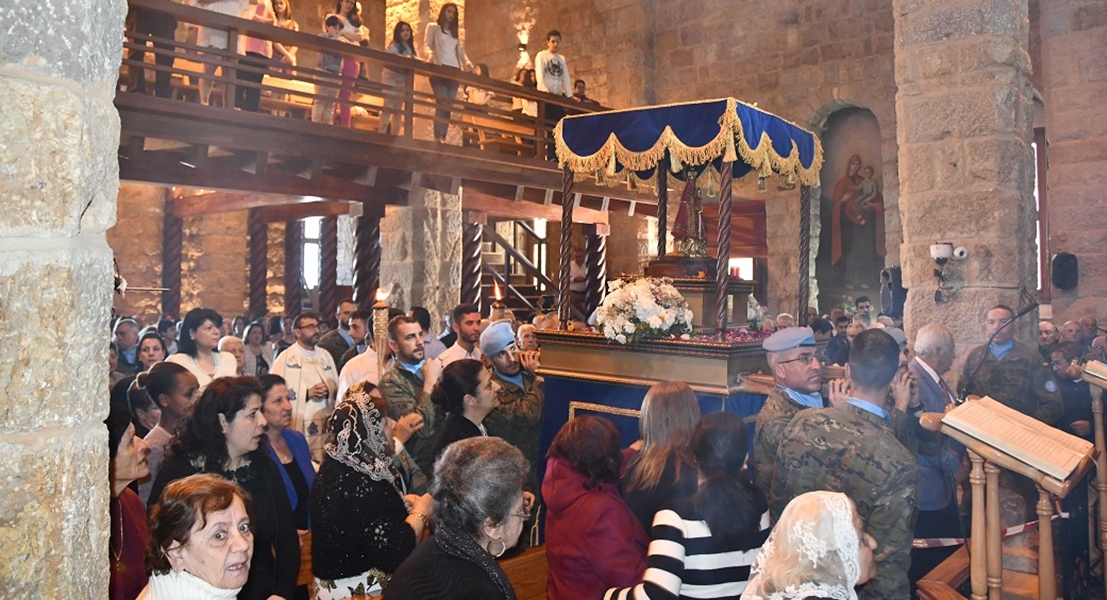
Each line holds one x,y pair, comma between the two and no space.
312,382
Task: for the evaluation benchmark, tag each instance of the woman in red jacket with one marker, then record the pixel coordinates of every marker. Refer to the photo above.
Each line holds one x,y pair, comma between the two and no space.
593,541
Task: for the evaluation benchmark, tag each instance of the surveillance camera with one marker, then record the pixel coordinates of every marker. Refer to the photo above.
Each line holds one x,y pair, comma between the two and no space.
960,253
941,252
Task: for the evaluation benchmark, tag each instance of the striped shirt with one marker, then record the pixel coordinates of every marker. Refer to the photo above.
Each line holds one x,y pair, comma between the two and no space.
685,562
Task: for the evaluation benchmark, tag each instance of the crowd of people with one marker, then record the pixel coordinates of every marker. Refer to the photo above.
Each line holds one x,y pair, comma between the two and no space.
412,480
440,45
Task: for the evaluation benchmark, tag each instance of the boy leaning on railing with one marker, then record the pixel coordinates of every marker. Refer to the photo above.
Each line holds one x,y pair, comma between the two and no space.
323,111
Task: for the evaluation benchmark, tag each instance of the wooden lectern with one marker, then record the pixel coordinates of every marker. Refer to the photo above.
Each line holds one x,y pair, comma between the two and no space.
1095,373
1000,437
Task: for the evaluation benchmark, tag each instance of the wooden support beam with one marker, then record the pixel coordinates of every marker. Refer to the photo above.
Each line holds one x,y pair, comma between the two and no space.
166,169
295,212
519,193
197,157
135,146
259,165
369,178
221,202
548,199
503,208
258,230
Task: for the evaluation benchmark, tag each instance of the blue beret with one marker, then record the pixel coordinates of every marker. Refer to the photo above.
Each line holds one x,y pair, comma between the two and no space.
788,338
496,337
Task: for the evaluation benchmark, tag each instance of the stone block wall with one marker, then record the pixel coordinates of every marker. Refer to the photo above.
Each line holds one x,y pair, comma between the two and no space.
59,136
1073,41
136,241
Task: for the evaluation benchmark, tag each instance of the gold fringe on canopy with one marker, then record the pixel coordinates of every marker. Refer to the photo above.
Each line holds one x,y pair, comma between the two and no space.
731,143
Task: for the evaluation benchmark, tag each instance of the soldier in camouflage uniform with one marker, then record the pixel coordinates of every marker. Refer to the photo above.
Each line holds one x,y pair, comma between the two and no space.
407,387
1012,373
518,418
853,450
797,372
1015,375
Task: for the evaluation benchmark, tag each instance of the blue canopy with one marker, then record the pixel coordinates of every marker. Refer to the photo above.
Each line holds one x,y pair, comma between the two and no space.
695,134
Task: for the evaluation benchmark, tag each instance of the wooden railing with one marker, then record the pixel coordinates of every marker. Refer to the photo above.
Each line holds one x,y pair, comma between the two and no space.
292,91
512,256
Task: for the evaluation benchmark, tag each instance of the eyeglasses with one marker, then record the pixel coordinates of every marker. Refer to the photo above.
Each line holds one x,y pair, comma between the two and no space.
803,359
309,327
523,515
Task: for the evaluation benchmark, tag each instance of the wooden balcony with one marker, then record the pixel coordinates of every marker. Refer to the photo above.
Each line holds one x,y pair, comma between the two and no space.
279,160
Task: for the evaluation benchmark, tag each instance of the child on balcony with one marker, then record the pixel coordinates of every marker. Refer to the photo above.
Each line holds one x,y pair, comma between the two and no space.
323,111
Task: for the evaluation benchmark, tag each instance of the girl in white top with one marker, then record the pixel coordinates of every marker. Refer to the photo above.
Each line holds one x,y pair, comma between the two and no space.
197,352
442,47
215,38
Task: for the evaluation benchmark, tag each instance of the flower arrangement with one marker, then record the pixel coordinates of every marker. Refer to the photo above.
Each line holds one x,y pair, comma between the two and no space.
643,307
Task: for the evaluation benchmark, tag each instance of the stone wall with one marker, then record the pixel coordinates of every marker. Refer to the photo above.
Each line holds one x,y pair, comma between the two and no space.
214,263
136,241
59,136
1073,83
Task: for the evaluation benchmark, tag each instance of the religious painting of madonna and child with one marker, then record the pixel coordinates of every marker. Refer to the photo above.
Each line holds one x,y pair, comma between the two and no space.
851,242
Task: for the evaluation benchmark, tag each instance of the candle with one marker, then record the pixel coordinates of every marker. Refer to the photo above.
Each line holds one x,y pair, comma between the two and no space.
380,329
499,309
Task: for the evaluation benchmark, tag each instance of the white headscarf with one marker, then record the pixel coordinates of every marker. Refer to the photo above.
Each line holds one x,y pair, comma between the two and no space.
813,550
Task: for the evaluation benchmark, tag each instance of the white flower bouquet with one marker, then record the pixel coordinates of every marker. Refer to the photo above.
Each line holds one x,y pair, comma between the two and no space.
643,307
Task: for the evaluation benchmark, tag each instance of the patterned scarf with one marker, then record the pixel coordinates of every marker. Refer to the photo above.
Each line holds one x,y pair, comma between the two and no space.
456,543
359,440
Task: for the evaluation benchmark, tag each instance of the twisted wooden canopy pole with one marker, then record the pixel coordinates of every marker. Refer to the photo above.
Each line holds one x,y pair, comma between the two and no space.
722,260
566,247
662,206
472,259
805,253
595,265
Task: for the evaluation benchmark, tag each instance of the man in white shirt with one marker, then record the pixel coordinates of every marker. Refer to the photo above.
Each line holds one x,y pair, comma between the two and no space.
312,381
578,278
466,318
552,73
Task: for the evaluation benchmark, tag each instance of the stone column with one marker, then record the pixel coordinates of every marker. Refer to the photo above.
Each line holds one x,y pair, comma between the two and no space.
421,252
964,119
59,136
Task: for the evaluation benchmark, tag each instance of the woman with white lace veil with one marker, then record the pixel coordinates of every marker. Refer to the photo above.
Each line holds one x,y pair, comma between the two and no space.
817,550
362,529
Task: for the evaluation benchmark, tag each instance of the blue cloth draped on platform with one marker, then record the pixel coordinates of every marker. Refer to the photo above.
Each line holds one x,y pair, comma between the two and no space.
615,402
695,134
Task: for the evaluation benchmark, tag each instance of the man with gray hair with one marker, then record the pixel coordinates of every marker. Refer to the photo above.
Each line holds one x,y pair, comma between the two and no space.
797,372
938,457
126,342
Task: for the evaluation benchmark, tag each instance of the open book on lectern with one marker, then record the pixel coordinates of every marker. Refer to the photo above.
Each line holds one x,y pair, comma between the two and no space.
1022,437
1095,373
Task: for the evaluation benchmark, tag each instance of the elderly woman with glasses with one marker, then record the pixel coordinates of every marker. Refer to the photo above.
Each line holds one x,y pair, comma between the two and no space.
479,513
362,529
